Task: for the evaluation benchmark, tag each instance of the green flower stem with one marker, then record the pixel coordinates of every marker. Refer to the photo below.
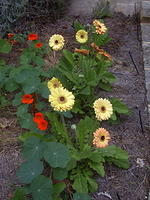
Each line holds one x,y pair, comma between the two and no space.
65,130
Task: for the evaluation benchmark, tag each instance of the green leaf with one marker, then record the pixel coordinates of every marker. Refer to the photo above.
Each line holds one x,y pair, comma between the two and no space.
5,47
26,121
41,188
122,163
17,100
86,91
81,196
116,155
105,86
33,148
22,109
29,170
11,85
119,106
98,167
78,26
31,85
92,184
41,105
58,189
71,164
84,130
60,173
39,60
24,136
80,183
56,154
44,91
19,194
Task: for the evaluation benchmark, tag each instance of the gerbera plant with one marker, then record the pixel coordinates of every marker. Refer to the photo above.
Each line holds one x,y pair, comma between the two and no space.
63,109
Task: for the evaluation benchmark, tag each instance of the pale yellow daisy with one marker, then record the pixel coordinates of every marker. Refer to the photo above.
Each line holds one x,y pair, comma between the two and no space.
56,42
82,36
54,83
61,99
103,109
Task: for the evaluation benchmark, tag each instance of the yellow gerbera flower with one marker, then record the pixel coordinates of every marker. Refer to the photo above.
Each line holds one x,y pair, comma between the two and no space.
100,27
61,99
103,109
54,83
56,42
82,36
101,138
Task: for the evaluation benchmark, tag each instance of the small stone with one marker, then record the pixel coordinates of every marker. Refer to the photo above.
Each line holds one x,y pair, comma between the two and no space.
140,162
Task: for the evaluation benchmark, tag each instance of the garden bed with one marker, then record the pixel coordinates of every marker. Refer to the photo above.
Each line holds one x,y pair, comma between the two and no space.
131,134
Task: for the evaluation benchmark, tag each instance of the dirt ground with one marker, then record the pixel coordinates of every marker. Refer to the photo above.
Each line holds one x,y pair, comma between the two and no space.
131,134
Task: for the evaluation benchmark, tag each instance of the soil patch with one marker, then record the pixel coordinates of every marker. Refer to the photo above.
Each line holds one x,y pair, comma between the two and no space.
131,134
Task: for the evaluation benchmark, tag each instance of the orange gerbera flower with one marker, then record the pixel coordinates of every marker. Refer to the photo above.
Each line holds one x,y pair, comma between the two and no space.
101,138
33,36
10,35
101,51
82,51
42,124
38,45
38,117
27,99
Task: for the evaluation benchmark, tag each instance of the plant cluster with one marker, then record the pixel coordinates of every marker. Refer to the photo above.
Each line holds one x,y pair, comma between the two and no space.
62,109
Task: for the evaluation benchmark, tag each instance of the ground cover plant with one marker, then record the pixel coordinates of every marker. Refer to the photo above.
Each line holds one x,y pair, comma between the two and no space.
60,108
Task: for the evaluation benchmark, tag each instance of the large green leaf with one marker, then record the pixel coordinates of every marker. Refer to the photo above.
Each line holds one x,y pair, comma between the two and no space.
33,148
81,196
5,47
11,85
57,154
29,170
60,173
122,163
80,183
92,184
116,155
84,130
58,189
119,106
26,121
31,85
98,167
22,109
17,100
41,188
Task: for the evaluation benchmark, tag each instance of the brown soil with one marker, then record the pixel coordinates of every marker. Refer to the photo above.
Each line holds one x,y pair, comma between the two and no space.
131,134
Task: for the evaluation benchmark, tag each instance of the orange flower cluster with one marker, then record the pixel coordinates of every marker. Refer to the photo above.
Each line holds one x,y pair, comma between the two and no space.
33,37
82,51
38,45
40,121
38,117
27,99
101,51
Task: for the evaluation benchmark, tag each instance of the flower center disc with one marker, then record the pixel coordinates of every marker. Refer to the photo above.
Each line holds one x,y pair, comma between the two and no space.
55,85
56,41
103,138
62,99
82,36
103,109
